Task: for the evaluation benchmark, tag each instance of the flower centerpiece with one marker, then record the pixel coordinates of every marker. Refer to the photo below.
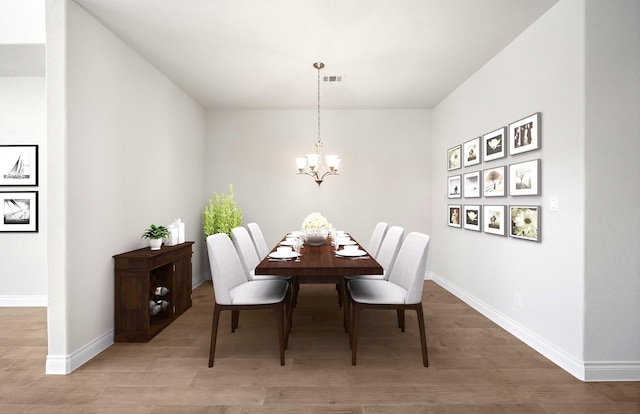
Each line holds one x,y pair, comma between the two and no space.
315,229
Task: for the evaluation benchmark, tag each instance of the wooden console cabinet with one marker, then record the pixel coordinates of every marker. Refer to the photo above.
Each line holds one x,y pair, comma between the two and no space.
138,275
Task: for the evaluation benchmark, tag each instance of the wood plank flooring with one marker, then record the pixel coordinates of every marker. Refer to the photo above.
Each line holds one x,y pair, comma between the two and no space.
475,367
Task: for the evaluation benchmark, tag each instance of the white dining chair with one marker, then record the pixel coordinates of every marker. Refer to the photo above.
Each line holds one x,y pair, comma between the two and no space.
248,254
258,240
387,253
402,290
234,292
377,236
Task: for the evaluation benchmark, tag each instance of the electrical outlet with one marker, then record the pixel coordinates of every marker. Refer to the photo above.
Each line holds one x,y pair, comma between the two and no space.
517,299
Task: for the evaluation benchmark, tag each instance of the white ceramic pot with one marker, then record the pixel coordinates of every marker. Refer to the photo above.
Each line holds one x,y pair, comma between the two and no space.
155,244
316,237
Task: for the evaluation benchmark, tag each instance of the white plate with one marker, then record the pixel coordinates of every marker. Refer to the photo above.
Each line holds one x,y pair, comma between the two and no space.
283,255
295,234
346,242
351,253
286,243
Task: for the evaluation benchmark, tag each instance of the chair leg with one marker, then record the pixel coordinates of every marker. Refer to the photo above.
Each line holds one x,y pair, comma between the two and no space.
401,319
354,332
423,335
214,333
235,316
281,337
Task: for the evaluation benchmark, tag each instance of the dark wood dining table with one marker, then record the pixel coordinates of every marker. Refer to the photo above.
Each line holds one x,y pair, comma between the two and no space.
320,264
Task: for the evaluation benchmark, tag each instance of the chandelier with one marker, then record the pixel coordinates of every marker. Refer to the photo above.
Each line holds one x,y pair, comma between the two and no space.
312,164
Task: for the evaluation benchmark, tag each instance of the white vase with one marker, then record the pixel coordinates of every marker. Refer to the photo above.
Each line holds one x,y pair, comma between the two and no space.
316,237
155,244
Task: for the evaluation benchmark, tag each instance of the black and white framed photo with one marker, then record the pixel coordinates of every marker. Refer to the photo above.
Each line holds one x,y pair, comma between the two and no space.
471,217
524,178
525,222
454,186
19,211
493,181
524,135
454,212
454,156
471,184
493,218
19,165
471,152
494,145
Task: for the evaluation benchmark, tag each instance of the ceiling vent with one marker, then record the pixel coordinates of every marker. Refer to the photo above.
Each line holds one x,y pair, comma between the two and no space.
332,78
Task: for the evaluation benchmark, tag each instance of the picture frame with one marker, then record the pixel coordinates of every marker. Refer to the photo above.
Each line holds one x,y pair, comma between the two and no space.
524,178
471,152
525,222
494,144
19,165
454,156
494,181
471,184
472,217
494,220
454,186
19,211
524,135
454,212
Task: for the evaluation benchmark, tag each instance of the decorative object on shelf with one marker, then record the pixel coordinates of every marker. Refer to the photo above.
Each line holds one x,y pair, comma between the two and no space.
19,211
161,291
155,234
315,229
471,152
316,168
494,144
19,165
222,214
494,219
525,222
524,134
176,233
454,158
453,216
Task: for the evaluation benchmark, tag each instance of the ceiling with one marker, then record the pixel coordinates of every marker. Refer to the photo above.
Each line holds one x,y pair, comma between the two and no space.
255,54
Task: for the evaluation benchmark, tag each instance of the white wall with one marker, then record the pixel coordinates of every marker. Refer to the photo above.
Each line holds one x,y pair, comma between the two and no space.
540,71
22,21
612,244
23,276
384,175
129,155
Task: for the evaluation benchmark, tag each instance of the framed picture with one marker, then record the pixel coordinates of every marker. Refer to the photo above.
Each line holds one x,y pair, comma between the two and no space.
453,158
525,222
494,219
471,186
494,145
493,181
19,211
471,152
453,218
471,217
524,135
524,178
19,165
454,186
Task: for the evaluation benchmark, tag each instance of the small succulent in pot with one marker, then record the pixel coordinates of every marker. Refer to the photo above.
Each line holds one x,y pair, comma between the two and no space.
156,234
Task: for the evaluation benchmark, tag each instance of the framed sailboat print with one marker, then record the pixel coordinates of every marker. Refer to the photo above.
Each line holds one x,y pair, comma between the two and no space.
19,165
19,211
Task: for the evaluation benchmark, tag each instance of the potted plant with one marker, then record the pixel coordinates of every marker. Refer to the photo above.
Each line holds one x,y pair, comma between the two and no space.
155,234
221,215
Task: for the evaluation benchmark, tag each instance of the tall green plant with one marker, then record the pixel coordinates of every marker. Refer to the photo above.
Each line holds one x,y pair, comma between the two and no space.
222,214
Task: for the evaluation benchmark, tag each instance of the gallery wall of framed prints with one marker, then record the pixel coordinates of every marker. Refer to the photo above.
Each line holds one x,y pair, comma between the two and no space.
19,168
499,164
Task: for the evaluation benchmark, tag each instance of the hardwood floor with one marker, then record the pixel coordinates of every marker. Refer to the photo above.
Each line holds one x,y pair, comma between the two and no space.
475,367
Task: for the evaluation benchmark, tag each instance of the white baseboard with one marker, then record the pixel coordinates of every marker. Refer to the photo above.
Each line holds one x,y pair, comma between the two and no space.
197,281
584,371
24,301
65,364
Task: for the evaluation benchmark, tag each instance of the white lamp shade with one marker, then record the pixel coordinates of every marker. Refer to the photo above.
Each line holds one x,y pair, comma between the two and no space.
332,161
301,162
313,159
